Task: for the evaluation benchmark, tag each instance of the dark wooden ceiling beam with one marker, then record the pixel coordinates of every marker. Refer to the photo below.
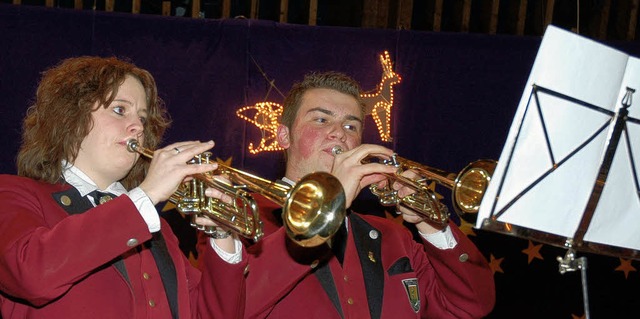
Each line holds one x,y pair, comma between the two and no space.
548,14
284,11
195,9
375,14
313,12
493,16
633,20
405,12
437,15
521,18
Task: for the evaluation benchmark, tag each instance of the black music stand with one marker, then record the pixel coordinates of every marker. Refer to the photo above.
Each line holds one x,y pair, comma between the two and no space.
567,174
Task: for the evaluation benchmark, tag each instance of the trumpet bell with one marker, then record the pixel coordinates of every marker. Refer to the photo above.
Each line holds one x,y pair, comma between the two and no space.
467,188
315,209
470,186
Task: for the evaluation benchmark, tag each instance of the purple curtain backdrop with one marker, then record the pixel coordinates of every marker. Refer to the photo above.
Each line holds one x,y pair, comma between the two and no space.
454,105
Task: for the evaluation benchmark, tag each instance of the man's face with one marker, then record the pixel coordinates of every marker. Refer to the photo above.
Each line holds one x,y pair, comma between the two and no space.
326,118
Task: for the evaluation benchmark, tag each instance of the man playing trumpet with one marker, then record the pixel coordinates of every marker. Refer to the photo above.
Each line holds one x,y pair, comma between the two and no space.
372,267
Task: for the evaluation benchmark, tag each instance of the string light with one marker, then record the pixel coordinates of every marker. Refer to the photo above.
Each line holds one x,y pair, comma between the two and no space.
378,104
380,101
265,118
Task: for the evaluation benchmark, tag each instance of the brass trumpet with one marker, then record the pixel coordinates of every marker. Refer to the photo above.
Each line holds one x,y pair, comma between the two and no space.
313,209
467,187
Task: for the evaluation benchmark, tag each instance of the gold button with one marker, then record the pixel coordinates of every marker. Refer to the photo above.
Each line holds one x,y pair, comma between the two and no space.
350,301
152,303
346,278
314,264
146,276
105,199
464,257
132,242
65,200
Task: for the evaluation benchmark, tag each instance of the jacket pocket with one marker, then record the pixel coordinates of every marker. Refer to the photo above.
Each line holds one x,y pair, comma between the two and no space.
401,266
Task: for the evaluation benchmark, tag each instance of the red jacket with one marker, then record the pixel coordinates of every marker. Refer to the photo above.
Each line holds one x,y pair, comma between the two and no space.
58,262
385,274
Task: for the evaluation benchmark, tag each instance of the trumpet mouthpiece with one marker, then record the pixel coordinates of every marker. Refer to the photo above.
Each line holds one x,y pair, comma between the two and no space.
336,150
132,145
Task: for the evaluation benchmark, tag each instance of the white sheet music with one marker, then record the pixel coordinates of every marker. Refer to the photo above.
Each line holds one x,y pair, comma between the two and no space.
533,195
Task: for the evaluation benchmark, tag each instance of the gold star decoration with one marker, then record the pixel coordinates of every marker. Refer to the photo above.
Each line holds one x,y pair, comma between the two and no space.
466,228
168,206
494,264
626,267
378,103
392,216
193,260
227,162
533,251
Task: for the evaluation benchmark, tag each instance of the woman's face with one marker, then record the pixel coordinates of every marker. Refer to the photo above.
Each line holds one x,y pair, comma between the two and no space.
103,154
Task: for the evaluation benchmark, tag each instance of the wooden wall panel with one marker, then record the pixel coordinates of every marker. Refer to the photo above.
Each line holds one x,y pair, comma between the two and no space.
601,20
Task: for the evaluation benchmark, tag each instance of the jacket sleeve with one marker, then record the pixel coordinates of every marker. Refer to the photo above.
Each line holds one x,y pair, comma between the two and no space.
45,250
222,288
458,282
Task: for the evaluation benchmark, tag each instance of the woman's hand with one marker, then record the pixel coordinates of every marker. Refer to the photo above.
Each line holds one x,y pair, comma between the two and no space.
169,168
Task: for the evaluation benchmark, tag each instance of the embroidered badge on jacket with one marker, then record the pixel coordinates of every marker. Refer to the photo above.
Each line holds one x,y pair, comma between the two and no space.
411,287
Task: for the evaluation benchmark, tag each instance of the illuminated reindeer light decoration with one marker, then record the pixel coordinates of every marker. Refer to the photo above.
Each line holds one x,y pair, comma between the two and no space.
379,102
265,115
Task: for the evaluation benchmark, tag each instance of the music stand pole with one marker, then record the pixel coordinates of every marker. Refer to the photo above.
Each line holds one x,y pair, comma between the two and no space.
570,263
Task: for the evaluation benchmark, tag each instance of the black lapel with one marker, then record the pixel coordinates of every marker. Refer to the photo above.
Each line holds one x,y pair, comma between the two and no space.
167,270
71,201
368,241
277,216
323,273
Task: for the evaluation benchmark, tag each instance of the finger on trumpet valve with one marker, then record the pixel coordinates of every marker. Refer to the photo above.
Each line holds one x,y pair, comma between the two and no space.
192,222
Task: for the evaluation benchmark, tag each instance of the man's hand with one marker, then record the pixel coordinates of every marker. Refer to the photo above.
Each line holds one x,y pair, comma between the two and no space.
354,175
409,215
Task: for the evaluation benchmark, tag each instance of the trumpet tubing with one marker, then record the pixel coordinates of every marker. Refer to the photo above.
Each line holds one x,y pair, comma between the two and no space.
240,216
467,187
313,209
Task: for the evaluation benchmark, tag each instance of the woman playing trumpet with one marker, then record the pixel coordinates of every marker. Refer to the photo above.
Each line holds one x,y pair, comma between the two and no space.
69,251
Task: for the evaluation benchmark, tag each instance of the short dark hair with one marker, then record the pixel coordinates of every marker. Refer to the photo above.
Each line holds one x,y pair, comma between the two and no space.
60,118
326,80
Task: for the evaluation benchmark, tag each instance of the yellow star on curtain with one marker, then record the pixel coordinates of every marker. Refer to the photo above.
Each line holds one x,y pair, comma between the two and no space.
626,267
533,251
494,264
